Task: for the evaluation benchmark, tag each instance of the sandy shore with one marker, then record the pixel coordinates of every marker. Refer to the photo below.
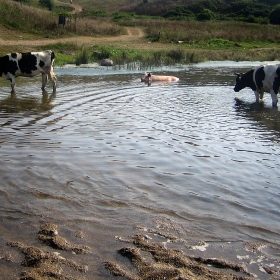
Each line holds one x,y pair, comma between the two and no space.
152,253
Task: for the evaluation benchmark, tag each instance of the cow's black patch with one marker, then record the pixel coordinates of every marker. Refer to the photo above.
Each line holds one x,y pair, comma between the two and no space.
246,80
42,63
7,65
276,82
14,55
27,63
278,71
259,77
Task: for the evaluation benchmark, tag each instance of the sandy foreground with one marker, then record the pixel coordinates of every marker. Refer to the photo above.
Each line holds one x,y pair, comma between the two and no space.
149,254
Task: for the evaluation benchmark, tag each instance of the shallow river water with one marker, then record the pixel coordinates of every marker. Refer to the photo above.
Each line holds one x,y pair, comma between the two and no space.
107,155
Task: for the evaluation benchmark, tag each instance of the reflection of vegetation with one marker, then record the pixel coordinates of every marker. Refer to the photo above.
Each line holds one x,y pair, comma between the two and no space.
13,104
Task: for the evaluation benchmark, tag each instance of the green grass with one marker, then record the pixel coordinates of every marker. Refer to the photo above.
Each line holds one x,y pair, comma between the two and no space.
195,32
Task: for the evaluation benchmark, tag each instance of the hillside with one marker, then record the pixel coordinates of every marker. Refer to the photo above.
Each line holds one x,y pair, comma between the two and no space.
257,8
148,7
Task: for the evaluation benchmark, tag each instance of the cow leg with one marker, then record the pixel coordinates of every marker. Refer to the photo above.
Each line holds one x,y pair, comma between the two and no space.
13,83
275,89
274,98
257,96
53,79
44,80
261,95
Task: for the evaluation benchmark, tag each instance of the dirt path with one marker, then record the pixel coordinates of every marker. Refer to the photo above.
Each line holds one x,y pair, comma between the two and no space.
77,9
13,38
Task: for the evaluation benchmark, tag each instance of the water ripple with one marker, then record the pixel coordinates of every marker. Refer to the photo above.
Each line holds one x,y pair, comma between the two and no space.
110,149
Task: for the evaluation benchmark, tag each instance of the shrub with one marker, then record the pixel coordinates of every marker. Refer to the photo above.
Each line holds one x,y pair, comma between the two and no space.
158,56
251,19
94,13
176,55
82,57
218,42
104,53
179,12
275,16
190,57
206,14
123,16
47,4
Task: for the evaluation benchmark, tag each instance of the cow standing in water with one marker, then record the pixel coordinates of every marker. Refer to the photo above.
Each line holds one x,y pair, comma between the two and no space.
261,79
28,64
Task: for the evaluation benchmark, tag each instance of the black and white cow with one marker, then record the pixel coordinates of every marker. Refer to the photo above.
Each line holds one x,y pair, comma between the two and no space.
28,64
261,79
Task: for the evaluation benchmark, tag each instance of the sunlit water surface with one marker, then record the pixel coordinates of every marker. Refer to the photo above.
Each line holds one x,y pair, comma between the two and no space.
107,153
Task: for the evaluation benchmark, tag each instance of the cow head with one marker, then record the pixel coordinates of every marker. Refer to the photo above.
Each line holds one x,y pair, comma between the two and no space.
240,84
146,78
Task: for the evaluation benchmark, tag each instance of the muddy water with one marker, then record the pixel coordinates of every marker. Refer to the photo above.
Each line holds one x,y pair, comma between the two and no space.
107,154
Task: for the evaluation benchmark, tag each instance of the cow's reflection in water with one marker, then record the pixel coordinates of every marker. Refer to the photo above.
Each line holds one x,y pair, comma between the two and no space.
263,116
15,103
48,98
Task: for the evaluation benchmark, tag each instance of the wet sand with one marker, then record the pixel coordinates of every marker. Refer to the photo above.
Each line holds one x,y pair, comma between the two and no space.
153,253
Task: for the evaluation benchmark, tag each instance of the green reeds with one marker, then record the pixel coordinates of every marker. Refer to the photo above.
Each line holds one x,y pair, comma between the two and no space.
82,57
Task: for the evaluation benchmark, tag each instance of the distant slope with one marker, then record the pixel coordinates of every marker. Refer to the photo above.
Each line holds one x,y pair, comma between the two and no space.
151,7
158,7
257,8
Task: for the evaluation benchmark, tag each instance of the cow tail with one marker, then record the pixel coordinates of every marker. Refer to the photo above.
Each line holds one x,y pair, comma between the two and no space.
52,55
52,63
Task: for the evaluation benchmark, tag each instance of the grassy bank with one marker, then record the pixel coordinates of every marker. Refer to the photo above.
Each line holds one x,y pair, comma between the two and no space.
154,54
172,54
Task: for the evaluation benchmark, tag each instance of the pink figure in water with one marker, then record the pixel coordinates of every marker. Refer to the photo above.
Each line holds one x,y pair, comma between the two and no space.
149,78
